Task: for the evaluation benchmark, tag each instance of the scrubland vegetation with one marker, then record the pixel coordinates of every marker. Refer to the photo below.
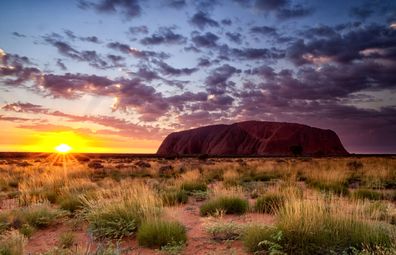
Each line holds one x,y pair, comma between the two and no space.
198,206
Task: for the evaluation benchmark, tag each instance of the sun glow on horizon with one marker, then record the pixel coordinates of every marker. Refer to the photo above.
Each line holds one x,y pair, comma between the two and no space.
63,148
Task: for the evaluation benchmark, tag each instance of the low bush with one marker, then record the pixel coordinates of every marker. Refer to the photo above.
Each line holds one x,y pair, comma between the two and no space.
70,203
117,220
191,186
174,197
159,233
367,194
224,231
228,205
335,188
317,227
269,203
37,216
12,243
66,240
254,237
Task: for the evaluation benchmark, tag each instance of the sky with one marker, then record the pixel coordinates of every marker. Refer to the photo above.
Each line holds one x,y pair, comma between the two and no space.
119,75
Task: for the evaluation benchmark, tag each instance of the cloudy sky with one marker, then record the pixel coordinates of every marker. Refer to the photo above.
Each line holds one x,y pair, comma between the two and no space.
119,75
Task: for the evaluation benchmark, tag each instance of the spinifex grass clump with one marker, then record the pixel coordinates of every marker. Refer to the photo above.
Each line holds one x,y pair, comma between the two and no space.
269,203
223,231
225,204
119,213
159,233
319,227
36,216
174,196
367,194
257,238
193,185
12,243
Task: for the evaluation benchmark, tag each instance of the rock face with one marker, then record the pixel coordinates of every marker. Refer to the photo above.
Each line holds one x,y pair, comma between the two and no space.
254,138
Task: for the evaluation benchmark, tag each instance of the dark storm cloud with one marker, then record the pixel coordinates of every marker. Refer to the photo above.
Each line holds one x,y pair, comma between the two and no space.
269,5
295,11
234,37
166,69
16,69
138,30
116,60
264,30
329,82
345,47
165,35
18,35
204,62
281,9
24,107
144,54
177,4
122,126
362,12
61,65
208,40
203,20
89,56
257,53
128,8
226,22
319,31
13,119
218,80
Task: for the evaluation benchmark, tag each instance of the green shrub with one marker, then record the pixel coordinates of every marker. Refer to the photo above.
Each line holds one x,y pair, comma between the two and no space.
367,194
114,221
159,233
335,188
174,197
228,205
312,227
12,243
191,186
27,230
70,203
66,240
39,216
269,203
254,235
224,231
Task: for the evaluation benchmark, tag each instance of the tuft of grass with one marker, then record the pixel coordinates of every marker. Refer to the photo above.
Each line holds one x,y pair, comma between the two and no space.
117,220
269,203
160,233
367,194
334,188
66,240
119,211
319,227
254,236
70,203
12,243
174,197
193,185
36,216
228,205
223,231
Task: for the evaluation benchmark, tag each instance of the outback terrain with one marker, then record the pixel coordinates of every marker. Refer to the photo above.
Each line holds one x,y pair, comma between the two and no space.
79,204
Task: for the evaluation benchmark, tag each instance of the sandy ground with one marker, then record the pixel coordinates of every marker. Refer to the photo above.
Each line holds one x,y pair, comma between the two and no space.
199,241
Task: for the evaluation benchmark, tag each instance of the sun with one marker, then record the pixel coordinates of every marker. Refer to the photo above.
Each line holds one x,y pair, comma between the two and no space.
63,148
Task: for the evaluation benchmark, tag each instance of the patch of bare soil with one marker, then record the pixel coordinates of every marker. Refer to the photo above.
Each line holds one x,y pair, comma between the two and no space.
199,242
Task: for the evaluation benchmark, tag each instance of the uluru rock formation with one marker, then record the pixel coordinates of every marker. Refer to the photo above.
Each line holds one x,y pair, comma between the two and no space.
254,138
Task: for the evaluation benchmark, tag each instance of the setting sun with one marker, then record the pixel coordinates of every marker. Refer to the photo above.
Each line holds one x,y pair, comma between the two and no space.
63,148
